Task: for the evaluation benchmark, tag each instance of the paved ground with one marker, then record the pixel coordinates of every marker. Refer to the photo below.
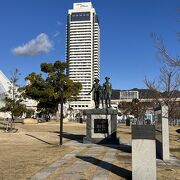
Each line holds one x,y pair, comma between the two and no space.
91,161
85,162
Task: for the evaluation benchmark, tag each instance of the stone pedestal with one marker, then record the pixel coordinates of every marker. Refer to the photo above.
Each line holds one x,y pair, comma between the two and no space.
162,132
143,152
101,126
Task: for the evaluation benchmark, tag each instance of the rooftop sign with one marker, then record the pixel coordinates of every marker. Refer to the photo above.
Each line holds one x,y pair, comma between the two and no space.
82,5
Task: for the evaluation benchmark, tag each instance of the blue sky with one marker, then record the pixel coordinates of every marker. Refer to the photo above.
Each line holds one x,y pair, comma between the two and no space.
127,50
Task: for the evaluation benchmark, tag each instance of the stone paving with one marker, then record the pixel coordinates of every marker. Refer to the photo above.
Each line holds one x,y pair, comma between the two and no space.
44,173
78,169
173,161
86,156
101,173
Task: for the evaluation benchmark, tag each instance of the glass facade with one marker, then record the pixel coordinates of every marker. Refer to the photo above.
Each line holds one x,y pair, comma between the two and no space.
96,19
80,16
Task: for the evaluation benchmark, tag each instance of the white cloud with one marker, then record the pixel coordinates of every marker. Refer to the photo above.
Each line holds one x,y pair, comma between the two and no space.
59,23
56,34
40,44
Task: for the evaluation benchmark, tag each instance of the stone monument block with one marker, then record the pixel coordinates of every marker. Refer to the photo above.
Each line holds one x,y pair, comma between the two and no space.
143,152
101,126
162,132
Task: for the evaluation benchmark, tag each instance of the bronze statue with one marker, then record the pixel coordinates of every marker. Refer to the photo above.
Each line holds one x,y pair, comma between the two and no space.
107,89
97,93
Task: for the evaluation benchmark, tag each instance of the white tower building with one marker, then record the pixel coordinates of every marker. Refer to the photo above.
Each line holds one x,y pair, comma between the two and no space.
83,50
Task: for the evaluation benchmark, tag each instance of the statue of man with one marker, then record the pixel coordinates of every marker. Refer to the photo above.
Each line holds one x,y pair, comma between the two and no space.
107,89
96,92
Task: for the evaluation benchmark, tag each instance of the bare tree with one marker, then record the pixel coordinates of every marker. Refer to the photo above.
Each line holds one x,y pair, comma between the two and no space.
136,107
165,90
163,53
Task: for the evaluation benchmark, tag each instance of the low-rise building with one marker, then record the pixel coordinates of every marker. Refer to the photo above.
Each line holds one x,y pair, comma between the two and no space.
145,97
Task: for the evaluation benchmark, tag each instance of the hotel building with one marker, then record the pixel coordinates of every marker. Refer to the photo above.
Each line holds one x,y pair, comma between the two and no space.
83,50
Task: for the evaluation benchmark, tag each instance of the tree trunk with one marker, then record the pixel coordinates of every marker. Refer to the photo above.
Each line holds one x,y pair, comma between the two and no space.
61,121
12,120
57,115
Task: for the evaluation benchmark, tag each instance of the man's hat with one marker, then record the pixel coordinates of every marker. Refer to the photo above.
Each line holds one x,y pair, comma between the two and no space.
107,77
96,79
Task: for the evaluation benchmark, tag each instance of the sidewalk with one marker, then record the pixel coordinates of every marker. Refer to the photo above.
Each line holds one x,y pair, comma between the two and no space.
94,162
87,161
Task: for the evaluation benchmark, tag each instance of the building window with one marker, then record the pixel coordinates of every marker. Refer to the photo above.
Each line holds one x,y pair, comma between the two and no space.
80,16
129,95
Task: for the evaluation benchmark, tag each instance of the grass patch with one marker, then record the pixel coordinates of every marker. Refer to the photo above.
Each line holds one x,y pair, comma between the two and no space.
175,150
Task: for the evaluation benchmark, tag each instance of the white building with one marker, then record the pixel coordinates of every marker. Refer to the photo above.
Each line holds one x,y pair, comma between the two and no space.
5,85
83,50
129,95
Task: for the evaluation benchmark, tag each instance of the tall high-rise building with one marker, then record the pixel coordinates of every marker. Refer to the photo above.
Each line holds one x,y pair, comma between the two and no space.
83,50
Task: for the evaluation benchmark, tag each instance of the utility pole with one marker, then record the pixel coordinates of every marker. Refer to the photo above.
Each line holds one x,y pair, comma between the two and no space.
61,119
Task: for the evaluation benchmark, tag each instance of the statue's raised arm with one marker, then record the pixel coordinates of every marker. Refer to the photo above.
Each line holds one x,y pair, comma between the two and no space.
96,92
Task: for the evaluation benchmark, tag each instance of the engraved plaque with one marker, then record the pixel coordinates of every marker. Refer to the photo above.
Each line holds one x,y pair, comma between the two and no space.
100,125
143,132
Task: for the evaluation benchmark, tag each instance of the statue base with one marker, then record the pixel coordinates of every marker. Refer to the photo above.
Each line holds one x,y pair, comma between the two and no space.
101,126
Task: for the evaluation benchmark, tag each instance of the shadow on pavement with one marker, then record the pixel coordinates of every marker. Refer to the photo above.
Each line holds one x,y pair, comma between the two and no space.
79,138
178,131
124,173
